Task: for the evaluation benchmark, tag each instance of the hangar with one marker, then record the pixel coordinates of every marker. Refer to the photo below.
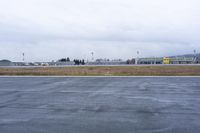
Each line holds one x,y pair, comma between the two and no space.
6,63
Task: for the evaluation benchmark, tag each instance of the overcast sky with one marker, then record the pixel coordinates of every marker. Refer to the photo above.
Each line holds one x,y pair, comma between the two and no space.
47,30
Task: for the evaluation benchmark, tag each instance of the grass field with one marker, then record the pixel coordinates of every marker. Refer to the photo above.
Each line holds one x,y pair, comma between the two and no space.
104,71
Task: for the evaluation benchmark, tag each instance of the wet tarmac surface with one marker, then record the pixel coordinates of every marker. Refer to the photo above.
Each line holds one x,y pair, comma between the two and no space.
100,105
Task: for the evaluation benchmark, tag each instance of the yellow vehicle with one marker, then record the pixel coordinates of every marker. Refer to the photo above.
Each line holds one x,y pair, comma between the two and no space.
166,60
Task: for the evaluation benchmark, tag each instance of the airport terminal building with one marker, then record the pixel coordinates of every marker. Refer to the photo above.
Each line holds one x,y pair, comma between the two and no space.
172,60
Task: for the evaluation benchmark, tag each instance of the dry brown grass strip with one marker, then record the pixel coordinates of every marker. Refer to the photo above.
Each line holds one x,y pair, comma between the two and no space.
105,71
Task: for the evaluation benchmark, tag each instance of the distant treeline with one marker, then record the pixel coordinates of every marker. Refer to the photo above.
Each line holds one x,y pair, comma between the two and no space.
79,62
76,61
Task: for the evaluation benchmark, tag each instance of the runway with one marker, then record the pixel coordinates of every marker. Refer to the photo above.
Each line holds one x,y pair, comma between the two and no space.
99,104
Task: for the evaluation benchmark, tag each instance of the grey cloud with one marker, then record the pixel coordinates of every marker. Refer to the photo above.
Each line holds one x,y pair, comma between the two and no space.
51,29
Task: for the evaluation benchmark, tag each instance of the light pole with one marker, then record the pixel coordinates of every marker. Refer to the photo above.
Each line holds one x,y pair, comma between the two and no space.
137,57
92,53
23,59
194,60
